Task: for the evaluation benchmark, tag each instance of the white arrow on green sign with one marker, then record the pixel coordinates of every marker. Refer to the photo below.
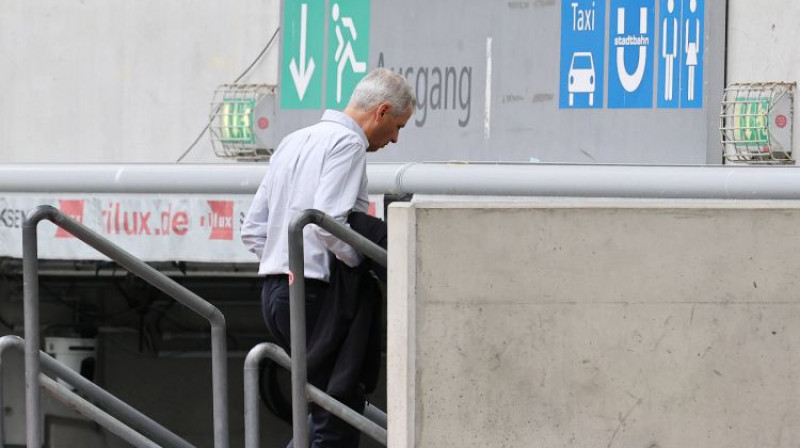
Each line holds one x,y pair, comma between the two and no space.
303,40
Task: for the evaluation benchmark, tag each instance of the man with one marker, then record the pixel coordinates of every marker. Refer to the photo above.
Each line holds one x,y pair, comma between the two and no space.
322,167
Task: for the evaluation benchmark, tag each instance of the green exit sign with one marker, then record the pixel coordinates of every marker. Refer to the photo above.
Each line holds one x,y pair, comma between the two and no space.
236,121
756,123
753,120
317,67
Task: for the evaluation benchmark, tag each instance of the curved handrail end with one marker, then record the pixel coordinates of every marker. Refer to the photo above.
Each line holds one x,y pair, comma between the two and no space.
38,213
269,350
216,318
10,340
307,216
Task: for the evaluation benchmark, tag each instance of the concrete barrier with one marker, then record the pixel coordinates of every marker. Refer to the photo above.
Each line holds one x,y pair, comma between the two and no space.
594,323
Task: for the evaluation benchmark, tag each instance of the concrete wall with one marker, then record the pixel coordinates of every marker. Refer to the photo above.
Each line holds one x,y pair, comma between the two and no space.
116,81
762,44
120,81
555,323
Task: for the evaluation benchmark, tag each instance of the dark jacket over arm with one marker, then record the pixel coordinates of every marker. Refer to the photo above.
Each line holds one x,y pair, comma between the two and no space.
345,348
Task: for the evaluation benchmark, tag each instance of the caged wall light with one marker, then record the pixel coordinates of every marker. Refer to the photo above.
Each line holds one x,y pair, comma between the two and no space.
756,123
240,121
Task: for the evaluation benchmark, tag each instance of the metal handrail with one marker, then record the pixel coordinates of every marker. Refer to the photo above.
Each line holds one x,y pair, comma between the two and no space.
297,313
375,427
94,413
30,276
125,413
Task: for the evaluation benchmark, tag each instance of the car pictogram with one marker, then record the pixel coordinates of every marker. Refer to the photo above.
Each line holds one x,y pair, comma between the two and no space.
581,76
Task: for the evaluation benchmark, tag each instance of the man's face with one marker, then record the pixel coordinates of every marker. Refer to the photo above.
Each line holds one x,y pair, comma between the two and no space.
387,127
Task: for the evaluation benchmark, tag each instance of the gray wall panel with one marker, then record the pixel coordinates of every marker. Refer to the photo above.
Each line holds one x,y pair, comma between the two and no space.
526,122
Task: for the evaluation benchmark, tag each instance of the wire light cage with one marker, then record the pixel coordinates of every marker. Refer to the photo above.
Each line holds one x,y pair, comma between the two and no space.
756,123
240,121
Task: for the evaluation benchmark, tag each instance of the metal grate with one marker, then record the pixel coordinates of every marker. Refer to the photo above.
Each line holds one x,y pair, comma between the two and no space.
240,121
756,123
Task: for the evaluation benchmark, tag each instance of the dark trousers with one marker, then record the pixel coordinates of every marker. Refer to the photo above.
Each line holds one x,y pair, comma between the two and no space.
326,429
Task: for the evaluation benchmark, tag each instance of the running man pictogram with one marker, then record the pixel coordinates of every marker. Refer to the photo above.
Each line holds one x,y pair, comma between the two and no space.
344,49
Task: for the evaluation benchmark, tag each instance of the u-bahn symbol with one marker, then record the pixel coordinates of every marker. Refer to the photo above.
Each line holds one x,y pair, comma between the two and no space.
631,41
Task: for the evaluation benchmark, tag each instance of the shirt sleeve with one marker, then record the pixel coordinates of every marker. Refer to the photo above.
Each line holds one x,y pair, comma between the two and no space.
254,227
362,201
339,188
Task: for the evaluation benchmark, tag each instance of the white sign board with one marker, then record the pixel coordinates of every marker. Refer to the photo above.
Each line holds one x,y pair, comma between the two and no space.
196,228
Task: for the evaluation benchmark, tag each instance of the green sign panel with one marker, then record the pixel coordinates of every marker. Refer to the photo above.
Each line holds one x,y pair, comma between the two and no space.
348,49
304,62
303,40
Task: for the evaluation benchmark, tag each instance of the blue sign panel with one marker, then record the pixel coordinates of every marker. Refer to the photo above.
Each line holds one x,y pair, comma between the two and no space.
582,52
630,55
670,53
692,46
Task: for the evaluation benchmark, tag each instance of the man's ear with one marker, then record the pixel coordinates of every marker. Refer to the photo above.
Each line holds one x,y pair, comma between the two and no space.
382,110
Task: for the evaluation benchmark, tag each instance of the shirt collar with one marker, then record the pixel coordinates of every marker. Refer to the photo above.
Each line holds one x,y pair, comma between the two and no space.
343,119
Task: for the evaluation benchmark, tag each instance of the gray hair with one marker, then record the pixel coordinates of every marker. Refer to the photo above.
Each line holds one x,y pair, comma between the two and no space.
382,85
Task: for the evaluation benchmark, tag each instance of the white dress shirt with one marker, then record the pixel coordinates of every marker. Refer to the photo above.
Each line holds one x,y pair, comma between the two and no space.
323,166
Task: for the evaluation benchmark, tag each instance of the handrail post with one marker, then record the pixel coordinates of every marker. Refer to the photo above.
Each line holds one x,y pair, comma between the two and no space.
297,331
30,285
5,342
135,266
219,380
251,396
297,306
375,427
